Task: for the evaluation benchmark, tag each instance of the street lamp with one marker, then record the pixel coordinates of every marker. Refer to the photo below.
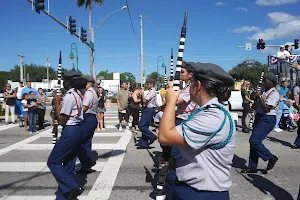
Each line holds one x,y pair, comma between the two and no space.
92,55
159,59
74,47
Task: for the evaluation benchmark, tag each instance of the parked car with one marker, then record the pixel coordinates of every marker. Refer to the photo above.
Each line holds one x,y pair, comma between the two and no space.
1,95
235,100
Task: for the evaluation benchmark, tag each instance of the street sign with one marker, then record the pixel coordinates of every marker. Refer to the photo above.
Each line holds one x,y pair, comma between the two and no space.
92,45
248,47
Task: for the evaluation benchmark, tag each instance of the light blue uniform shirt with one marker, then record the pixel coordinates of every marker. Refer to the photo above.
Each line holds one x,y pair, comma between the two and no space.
200,167
72,106
272,99
90,100
151,98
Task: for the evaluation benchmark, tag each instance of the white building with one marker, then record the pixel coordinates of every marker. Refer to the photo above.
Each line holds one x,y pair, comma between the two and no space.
111,85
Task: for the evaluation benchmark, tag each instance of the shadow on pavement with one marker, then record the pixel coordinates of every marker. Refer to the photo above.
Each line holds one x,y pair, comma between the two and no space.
153,179
268,187
238,162
284,143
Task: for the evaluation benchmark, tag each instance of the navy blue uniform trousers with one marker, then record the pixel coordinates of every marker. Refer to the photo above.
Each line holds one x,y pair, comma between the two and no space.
89,125
182,191
62,159
263,125
144,124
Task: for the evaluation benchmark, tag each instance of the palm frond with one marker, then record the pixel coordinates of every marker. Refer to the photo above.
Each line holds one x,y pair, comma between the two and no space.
80,3
99,2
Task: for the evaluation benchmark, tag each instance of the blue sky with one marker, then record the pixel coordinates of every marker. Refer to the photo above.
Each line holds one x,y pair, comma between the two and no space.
214,30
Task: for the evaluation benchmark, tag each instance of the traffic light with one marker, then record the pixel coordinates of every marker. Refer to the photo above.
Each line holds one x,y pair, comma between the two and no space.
83,35
261,44
296,43
72,25
39,5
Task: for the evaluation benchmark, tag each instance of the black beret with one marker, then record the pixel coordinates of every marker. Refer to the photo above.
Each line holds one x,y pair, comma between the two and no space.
272,77
151,81
212,72
70,74
90,79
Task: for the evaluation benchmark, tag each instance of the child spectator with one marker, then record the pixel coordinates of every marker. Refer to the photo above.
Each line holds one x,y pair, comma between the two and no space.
291,113
32,112
25,110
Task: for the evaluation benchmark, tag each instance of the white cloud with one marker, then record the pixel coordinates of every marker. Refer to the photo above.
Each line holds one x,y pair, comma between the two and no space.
246,29
279,17
274,2
219,3
287,26
242,9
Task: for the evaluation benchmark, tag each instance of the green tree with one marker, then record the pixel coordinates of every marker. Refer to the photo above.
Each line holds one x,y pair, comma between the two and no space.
128,77
157,77
107,75
249,69
88,4
4,76
36,72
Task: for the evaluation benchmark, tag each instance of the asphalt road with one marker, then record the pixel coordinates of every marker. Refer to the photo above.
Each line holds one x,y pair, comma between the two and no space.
124,172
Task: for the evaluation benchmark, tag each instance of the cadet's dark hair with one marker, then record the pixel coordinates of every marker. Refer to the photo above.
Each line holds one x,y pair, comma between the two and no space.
78,83
214,89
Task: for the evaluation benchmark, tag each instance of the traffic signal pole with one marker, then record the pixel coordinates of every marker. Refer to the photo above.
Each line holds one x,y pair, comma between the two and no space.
61,23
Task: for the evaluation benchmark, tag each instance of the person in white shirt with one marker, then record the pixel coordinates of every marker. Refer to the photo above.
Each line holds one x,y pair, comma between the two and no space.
19,108
283,55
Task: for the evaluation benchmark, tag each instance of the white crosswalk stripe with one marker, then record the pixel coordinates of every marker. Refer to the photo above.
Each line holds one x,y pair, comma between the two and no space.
106,170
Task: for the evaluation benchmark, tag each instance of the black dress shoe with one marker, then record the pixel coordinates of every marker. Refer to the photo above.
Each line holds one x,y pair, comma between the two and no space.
272,162
151,141
75,193
86,171
249,170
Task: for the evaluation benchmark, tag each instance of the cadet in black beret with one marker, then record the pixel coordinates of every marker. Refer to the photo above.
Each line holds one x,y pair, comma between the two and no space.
90,79
68,75
206,139
212,72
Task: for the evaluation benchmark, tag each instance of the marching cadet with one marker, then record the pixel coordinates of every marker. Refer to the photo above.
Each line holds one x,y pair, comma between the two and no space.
90,103
61,161
265,120
184,104
149,112
206,139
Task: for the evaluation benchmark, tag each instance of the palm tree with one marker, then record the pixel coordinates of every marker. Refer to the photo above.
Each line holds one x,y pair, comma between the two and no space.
88,4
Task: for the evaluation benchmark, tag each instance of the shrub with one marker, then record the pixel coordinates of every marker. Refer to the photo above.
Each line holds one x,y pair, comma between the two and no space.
2,112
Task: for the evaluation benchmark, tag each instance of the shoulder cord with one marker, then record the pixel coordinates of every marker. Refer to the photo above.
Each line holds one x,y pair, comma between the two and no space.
213,133
78,108
269,96
190,110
